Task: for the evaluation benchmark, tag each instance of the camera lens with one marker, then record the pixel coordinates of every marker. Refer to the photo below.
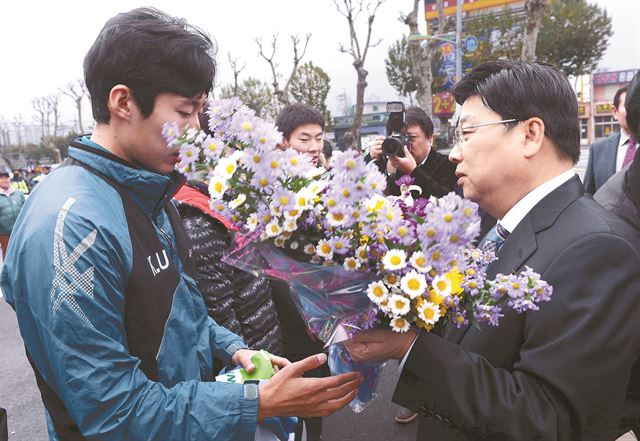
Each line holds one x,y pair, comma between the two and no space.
393,146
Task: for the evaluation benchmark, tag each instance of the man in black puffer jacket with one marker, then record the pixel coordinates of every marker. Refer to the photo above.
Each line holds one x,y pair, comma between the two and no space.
235,299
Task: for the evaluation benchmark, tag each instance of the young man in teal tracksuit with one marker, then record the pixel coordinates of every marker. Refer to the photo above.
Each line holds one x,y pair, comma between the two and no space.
113,325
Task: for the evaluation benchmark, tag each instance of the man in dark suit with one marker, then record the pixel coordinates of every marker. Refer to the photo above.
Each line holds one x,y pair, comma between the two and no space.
559,373
609,155
431,170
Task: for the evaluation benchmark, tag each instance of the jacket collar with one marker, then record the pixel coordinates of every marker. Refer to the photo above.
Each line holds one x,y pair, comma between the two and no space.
521,243
151,191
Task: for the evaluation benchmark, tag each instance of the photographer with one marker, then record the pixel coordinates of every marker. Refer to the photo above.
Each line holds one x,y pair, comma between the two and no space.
432,171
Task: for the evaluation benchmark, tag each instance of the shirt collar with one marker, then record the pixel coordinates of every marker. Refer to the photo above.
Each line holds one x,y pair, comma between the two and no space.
524,205
8,191
624,137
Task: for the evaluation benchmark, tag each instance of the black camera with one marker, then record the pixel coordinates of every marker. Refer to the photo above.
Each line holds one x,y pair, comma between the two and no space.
394,144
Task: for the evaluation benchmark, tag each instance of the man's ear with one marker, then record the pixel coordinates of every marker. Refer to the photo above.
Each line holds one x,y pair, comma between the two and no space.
121,103
284,144
533,136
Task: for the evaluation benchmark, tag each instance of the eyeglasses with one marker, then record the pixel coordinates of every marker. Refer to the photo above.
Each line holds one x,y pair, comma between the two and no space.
457,138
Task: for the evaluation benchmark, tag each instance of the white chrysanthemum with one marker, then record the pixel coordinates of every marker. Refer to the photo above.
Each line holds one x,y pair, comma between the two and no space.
217,187
351,264
442,286
304,199
226,167
419,262
316,187
292,214
394,260
429,313
294,245
361,253
272,228
399,324
239,200
309,249
252,222
399,304
279,241
413,284
324,249
377,293
376,203
337,218
392,280
290,225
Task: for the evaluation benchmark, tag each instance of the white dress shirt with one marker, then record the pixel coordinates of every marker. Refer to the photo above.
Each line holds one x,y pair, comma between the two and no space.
623,146
524,205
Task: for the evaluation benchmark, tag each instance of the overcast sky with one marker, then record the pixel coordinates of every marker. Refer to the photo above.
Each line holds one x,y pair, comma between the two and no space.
43,43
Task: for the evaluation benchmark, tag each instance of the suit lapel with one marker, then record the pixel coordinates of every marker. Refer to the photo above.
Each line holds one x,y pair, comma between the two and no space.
521,243
611,156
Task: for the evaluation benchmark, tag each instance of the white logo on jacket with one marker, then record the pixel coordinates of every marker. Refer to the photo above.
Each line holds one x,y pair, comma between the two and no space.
68,282
162,265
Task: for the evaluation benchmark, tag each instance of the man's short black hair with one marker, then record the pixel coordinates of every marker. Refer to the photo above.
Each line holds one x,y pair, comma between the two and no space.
616,98
519,90
296,115
416,116
632,105
327,149
151,53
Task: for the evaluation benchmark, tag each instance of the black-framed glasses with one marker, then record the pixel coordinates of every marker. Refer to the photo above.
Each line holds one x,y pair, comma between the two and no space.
459,132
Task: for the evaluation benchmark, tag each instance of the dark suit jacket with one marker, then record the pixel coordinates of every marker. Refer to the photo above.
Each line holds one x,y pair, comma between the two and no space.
602,162
559,373
436,176
621,193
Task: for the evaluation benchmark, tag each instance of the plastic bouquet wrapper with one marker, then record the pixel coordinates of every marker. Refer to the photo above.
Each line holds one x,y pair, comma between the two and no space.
331,299
353,257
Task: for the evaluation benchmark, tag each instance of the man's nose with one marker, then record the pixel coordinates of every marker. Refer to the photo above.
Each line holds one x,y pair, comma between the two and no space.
455,155
194,121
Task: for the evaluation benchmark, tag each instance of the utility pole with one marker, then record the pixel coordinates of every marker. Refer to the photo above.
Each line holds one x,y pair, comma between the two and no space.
459,41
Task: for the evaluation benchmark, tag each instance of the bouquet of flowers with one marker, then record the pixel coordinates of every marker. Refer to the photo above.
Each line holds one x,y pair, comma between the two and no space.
354,257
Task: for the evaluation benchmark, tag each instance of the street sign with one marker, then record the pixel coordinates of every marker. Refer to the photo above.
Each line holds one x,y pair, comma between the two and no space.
471,43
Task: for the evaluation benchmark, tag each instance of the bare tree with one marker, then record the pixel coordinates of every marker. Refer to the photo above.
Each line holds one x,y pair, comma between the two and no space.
17,123
48,115
422,55
236,73
358,51
77,91
534,9
282,93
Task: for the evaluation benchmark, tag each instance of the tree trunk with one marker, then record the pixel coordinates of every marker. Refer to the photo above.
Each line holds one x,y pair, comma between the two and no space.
79,107
360,88
422,56
534,9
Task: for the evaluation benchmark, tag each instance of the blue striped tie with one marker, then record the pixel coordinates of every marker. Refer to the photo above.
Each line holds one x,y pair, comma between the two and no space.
494,239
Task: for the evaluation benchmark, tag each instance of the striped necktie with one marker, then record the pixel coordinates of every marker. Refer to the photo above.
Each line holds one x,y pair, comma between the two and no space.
494,239
631,151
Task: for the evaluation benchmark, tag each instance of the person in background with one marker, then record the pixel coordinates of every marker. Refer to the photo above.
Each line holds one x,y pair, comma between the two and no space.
19,183
327,152
11,202
302,129
609,155
431,170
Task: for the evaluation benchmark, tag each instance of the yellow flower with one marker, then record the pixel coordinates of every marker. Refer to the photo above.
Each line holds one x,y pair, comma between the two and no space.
456,278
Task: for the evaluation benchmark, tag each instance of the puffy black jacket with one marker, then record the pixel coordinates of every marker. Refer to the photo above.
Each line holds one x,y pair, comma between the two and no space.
235,299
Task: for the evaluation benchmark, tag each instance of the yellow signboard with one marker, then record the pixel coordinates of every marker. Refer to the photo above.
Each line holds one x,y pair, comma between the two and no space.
604,108
450,6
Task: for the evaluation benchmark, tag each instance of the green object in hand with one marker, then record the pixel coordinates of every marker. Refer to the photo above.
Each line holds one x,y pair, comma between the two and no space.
263,371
